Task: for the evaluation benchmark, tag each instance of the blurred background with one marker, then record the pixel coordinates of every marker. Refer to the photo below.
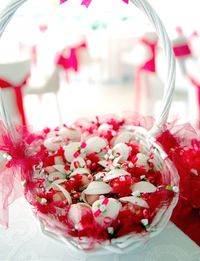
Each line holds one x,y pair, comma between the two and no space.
60,63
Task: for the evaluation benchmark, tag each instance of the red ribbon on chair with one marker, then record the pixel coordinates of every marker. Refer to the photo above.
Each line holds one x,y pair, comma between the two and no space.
72,61
148,66
197,85
18,94
182,50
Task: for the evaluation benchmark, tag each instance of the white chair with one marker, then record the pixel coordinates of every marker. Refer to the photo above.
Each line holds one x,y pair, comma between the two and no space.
181,105
14,74
193,72
147,84
41,85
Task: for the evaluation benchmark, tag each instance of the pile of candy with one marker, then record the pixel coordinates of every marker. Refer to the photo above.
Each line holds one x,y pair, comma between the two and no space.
97,181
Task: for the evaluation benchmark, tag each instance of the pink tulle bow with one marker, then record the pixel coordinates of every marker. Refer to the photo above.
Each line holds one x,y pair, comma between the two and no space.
15,166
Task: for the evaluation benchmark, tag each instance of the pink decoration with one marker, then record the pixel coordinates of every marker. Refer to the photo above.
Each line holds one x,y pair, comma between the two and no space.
62,1
182,50
86,3
149,66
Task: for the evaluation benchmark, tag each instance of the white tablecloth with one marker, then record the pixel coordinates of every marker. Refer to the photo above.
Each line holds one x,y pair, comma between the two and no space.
23,241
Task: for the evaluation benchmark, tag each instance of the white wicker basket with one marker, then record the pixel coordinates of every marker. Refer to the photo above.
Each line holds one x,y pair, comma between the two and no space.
131,241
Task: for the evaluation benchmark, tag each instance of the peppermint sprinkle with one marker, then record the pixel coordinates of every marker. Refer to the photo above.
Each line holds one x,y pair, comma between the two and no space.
143,177
110,152
122,178
7,156
43,201
110,230
130,165
106,156
169,187
111,157
114,133
145,222
102,208
76,226
24,183
175,189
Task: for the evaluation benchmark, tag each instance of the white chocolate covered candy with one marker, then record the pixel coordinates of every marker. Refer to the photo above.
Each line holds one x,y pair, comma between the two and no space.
95,144
104,127
78,162
94,190
58,196
99,176
115,173
144,187
123,137
50,169
81,171
58,160
53,143
142,160
63,194
70,133
56,175
122,150
135,201
77,212
60,168
97,187
55,168
70,150
52,134
106,210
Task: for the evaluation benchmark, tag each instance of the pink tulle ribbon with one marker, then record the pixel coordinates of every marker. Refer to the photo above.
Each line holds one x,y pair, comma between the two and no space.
86,3
14,168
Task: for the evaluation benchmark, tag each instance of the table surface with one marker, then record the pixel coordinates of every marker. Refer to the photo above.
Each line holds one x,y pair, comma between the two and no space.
23,241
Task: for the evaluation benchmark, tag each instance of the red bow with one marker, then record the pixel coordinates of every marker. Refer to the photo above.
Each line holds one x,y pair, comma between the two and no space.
18,93
197,85
72,61
182,50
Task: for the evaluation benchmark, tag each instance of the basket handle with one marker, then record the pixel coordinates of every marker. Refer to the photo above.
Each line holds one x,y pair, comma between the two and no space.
143,5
